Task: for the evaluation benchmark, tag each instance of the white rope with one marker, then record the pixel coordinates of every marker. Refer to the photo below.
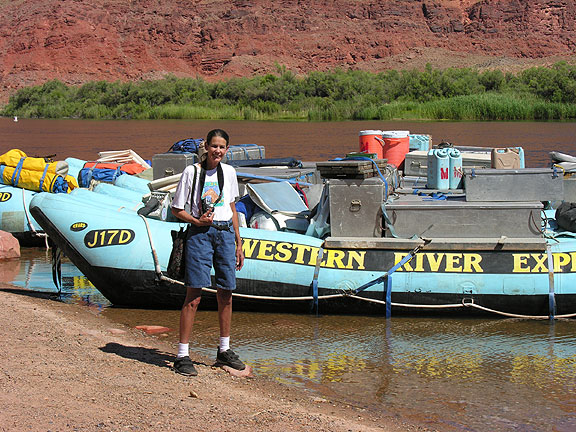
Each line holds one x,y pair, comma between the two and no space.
519,316
417,306
329,296
257,297
167,279
30,224
154,256
174,281
466,304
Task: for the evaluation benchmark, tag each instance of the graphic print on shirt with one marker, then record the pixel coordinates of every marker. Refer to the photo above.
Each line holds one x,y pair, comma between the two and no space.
212,190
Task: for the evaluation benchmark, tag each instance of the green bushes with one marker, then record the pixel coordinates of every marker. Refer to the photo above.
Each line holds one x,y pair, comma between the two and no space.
455,94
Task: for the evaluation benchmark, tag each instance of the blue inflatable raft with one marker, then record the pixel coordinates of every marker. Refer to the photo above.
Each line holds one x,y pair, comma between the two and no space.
125,256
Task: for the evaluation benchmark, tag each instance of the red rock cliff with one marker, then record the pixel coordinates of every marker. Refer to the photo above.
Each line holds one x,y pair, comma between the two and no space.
76,41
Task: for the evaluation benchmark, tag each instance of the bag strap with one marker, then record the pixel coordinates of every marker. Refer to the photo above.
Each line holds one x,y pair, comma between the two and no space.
220,174
41,183
193,188
17,171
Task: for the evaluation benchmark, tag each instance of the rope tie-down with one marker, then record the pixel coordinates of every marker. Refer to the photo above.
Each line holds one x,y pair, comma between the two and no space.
30,224
315,297
388,278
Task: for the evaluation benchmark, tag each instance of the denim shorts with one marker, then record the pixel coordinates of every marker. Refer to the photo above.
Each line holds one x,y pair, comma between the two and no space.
209,247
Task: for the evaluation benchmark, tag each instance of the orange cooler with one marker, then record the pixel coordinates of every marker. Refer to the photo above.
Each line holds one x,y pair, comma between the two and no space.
371,142
396,145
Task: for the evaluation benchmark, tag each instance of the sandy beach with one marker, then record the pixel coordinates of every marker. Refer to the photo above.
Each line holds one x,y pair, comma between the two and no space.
64,367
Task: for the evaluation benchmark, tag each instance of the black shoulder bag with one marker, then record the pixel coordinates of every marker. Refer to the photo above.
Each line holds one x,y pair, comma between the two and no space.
177,263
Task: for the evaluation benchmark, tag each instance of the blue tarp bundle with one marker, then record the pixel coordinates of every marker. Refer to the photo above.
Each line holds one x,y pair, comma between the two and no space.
60,185
106,171
188,145
100,174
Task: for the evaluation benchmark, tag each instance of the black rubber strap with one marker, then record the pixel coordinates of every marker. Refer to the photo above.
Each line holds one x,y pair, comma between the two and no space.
220,174
193,188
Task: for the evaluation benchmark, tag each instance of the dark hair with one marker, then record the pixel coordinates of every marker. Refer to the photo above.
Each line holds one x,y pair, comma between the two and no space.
217,133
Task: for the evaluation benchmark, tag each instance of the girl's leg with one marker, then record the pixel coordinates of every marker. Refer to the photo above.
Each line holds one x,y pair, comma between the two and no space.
188,313
224,311
183,365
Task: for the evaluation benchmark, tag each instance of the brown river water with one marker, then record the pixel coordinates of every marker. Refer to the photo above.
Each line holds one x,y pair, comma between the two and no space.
450,373
302,140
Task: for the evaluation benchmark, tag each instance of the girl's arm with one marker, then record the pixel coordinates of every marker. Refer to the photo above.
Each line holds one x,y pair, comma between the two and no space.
183,215
236,225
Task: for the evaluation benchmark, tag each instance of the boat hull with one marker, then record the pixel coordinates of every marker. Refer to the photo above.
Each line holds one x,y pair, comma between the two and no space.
145,291
15,217
113,248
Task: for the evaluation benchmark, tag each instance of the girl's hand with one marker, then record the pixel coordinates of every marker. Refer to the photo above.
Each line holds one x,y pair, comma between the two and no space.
239,257
206,219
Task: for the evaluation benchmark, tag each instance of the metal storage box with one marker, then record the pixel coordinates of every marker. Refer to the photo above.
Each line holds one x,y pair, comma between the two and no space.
303,175
167,164
460,219
244,152
416,163
527,184
355,207
570,189
261,174
352,169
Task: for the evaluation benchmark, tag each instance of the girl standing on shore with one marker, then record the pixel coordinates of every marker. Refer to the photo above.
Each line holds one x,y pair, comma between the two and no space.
205,199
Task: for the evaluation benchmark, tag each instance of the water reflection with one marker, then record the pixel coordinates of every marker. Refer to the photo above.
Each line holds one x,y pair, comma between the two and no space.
34,272
460,374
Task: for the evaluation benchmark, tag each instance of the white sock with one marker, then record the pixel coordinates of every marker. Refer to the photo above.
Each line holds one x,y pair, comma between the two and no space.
182,350
224,343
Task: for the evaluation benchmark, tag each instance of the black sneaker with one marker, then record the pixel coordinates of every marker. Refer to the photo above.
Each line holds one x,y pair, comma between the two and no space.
229,358
184,366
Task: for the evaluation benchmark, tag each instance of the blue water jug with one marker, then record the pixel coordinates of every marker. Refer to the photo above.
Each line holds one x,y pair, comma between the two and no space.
438,169
520,151
419,142
455,174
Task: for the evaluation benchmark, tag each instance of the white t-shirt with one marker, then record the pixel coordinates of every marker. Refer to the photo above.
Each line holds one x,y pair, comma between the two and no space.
222,210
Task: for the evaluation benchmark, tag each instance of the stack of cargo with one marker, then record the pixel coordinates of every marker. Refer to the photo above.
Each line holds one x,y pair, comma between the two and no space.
187,152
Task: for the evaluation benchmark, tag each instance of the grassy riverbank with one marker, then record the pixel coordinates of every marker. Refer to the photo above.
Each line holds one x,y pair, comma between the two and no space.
432,94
